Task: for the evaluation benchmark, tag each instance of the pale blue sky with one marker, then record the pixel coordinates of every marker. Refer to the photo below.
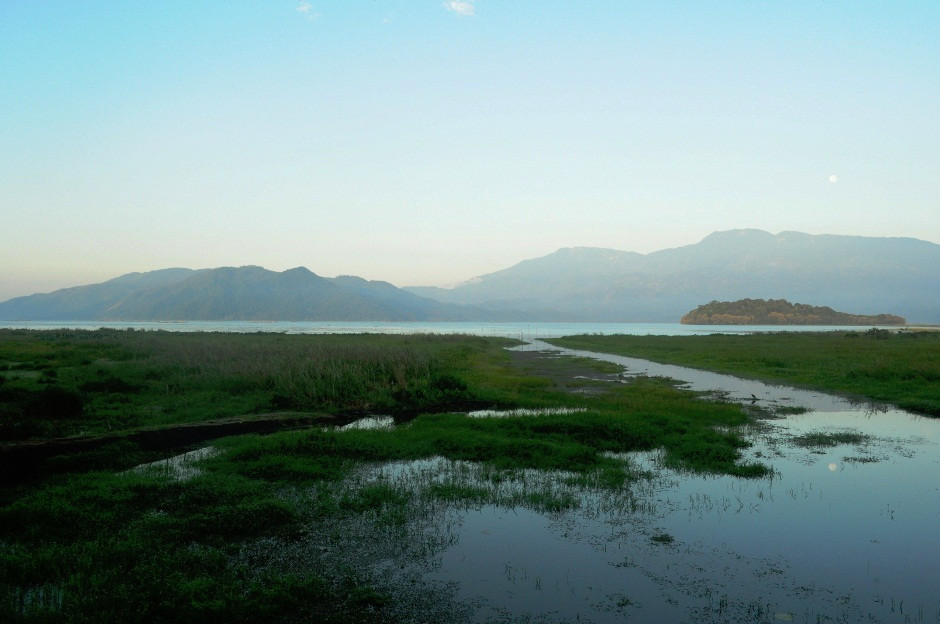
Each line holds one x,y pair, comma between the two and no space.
426,142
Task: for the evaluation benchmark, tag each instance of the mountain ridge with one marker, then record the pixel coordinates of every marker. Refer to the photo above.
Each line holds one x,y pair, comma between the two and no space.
899,275
235,293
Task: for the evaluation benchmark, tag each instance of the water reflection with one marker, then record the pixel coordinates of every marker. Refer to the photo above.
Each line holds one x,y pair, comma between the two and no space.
687,547
370,422
545,411
180,467
843,531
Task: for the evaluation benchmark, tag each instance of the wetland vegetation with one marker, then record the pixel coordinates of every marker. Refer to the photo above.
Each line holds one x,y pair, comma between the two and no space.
901,368
462,449
87,539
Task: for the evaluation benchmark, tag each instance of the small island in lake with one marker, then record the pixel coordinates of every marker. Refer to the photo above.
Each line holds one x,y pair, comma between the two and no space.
779,312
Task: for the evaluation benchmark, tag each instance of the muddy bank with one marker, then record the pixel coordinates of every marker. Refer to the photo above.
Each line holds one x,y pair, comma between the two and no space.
573,375
20,461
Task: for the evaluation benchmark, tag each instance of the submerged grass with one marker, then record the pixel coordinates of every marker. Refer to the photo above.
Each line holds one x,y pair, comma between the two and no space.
144,546
902,368
823,439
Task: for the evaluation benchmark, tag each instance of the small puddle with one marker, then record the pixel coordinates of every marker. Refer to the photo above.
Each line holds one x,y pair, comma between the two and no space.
180,467
384,423
387,423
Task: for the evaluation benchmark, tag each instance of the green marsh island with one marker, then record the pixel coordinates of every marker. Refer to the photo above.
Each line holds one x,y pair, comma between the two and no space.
153,476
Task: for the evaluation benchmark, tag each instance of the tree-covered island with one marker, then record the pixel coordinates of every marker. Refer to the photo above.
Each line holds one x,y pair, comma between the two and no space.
779,312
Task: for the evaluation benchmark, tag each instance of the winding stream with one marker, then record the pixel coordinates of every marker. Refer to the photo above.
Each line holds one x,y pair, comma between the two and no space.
734,388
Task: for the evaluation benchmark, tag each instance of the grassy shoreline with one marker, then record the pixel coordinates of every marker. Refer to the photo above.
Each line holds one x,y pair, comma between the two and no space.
898,368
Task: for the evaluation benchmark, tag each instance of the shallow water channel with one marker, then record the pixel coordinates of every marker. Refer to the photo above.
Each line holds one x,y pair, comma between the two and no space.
844,531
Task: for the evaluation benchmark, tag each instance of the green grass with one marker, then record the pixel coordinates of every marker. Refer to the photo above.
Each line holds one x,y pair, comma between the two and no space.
899,368
124,546
59,383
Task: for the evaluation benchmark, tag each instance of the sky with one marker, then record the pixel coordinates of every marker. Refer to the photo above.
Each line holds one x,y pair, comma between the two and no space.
425,142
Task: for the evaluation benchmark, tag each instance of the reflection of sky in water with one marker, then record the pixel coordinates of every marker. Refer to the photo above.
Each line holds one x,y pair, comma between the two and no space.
846,544
370,422
545,411
526,563
181,467
847,532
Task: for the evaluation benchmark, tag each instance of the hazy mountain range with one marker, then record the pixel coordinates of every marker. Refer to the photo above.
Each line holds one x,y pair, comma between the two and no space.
861,275
235,293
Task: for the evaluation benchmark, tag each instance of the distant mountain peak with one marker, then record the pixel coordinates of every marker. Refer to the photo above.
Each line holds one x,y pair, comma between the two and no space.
300,270
571,284
725,236
597,284
247,292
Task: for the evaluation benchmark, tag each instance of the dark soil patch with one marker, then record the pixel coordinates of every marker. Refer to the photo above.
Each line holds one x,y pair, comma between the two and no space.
23,460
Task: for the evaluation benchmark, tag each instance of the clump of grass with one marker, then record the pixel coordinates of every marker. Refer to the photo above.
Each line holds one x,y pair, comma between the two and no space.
820,439
663,538
790,409
862,459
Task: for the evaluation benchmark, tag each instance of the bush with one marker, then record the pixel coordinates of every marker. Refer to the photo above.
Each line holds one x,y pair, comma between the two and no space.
54,402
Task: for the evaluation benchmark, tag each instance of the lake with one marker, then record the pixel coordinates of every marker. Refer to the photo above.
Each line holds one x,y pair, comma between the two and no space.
522,330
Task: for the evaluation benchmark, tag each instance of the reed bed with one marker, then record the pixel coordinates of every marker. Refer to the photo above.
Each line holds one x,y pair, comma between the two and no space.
58,383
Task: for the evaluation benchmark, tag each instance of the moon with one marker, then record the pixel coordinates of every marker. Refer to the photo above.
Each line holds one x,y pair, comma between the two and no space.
833,178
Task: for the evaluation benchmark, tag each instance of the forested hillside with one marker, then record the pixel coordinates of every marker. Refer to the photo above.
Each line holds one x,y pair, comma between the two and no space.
779,312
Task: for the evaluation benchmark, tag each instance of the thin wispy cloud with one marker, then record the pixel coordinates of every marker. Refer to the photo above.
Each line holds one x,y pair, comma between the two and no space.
306,9
461,7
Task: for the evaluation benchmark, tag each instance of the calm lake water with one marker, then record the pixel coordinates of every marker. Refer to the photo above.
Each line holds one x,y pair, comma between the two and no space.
512,330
